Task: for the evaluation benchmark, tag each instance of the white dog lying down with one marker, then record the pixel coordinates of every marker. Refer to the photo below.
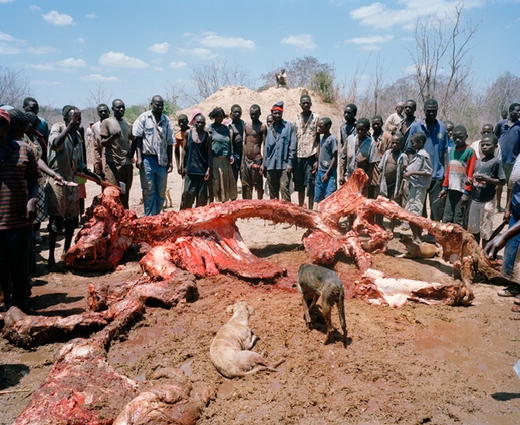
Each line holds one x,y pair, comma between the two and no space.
229,349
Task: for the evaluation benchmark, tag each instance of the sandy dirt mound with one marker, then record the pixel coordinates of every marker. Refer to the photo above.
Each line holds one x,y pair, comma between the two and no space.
228,96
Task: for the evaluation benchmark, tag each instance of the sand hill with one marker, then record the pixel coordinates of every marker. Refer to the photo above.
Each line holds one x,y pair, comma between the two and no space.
225,97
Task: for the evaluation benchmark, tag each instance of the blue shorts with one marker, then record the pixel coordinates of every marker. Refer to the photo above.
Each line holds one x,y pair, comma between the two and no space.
322,189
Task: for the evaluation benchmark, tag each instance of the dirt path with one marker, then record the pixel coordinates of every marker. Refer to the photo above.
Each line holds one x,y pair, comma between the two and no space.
415,365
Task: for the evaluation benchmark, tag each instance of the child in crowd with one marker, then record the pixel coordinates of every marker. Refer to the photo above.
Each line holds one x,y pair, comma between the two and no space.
182,121
360,151
327,159
457,180
391,168
488,174
419,175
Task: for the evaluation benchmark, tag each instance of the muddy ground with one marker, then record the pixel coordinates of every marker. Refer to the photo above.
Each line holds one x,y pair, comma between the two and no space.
415,365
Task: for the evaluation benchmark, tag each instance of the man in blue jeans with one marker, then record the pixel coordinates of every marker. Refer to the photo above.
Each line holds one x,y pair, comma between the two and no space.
154,147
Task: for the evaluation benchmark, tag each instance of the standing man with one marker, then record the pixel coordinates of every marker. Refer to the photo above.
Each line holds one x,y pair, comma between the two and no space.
18,192
508,133
307,140
237,127
409,118
347,129
436,146
252,162
116,139
103,113
65,158
279,154
154,143
30,104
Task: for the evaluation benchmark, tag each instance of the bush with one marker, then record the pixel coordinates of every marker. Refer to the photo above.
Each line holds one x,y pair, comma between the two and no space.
322,82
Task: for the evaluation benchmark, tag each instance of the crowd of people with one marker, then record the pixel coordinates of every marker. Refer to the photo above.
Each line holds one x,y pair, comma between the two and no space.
421,163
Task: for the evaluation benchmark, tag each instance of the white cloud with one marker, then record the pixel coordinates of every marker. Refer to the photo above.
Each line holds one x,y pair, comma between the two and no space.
71,63
80,40
120,60
213,40
375,39
405,16
158,68
56,18
302,41
5,37
5,49
65,65
198,52
91,16
46,83
34,7
42,50
160,48
97,78
178,65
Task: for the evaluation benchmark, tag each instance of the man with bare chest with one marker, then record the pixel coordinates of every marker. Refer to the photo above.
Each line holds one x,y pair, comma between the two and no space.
252,160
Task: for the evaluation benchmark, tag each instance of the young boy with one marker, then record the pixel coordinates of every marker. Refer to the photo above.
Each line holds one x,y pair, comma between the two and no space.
457,180
359,151
196,164
488,174
419,175
182,121
327,159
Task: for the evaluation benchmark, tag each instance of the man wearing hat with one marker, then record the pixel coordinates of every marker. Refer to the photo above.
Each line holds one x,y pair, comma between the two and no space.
18,193
393,121
279,154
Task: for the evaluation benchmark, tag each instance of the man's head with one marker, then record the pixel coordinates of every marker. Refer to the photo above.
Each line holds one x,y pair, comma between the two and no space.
449,128
5,120
19,123
118,107
488,145
33,122
362,128
409,108
30,104
486,129
417,140
182,121
70,112
269,120
396,142
277,112
514,111
103,111
460,134
324,125
255,112
350,113
399,107
431,107
503,114
200,123
377,123
305,103
157,105
236,112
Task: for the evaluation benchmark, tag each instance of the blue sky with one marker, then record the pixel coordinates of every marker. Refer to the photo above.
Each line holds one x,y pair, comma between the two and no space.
135,49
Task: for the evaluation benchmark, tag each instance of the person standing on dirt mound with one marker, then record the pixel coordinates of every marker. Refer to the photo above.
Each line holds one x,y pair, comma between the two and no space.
307,141
18,194
279,154
154,147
